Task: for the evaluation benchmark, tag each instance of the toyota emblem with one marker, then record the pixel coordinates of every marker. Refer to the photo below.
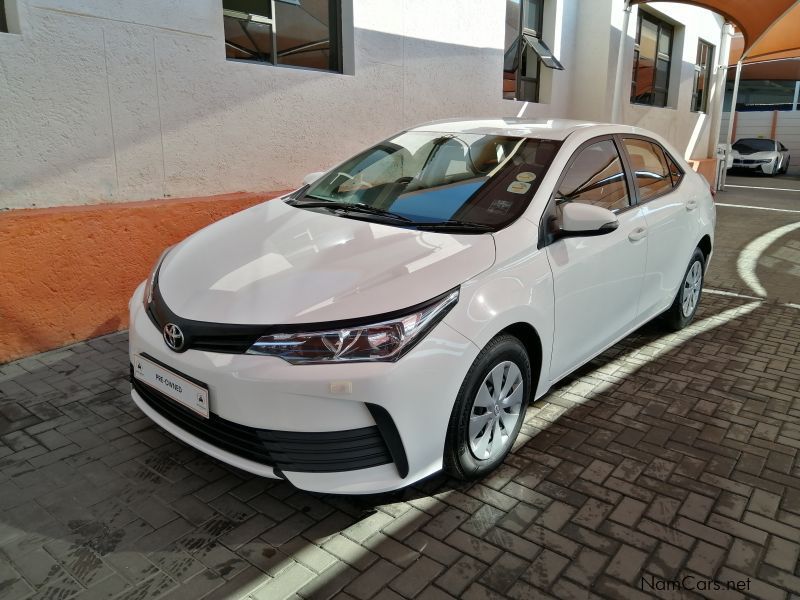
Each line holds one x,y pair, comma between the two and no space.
173,337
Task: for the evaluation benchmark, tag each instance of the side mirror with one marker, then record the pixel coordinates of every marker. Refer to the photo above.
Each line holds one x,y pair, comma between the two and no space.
312,177
579,219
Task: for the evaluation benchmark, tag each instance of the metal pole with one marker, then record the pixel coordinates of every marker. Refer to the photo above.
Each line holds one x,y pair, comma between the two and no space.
273,16
729,141
796,96
616,101
717,101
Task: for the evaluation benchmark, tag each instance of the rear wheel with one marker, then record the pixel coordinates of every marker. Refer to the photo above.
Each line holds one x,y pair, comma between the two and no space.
489,409
682,311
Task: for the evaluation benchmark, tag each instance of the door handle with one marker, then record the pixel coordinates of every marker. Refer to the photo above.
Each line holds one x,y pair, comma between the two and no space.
638,234
691,205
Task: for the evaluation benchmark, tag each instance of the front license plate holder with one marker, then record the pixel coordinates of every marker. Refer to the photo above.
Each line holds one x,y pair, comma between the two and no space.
190,393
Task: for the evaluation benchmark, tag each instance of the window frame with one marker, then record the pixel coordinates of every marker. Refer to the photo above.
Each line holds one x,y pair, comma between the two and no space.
334,41
644,15
698,71
667,155
520,53
546,237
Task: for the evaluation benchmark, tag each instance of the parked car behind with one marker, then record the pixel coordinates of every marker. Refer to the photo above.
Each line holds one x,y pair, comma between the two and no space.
395,316
761,155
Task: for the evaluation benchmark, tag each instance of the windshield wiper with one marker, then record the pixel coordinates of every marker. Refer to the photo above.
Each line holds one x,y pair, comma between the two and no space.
350,207
452,224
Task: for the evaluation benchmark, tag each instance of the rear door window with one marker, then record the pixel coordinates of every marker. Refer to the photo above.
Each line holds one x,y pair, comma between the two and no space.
650,168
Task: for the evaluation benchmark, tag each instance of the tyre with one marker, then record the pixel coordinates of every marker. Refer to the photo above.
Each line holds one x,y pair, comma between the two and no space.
785,166
489,409
682,311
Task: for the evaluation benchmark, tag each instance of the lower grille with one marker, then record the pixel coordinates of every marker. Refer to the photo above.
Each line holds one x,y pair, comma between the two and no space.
308,452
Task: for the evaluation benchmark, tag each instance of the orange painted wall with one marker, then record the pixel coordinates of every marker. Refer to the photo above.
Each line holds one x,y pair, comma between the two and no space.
66,274
707,167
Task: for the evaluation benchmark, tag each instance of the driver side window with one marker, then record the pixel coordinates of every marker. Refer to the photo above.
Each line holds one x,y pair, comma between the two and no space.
596,177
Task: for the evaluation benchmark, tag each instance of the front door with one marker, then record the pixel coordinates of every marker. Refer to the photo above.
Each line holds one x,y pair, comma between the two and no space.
597,279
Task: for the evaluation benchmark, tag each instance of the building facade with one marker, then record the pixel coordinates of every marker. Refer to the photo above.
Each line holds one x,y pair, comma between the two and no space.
110,101
106,102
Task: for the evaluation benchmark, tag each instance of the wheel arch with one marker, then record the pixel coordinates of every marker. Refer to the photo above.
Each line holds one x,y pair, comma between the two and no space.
527,334
705,246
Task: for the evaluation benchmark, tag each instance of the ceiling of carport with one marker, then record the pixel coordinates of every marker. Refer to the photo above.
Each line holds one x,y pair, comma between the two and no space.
770,27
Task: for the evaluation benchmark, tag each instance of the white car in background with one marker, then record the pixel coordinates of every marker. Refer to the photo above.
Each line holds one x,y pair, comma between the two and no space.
769,157
396,315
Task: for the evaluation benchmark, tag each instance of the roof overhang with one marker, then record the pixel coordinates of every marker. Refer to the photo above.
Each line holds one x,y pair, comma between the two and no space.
769,27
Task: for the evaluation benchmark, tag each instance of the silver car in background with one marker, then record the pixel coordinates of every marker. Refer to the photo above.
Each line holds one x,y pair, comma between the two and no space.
769,157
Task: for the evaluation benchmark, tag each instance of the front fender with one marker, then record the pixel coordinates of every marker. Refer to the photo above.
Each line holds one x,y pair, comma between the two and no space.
518,289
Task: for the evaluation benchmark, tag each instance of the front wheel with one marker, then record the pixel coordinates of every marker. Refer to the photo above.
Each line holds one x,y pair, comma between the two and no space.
682,311
489,409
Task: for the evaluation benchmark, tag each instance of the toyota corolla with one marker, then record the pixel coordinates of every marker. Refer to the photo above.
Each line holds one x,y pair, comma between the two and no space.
396,315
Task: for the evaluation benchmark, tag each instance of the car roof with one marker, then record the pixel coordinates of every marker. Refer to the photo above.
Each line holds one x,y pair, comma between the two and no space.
550,129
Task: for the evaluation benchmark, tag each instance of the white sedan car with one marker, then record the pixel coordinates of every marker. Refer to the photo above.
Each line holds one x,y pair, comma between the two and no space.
396,315
769,157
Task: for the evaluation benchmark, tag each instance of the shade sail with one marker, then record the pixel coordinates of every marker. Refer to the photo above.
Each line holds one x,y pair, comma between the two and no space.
770,28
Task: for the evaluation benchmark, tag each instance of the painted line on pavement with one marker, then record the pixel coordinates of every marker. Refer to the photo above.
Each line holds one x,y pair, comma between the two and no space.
743,296
748,258
757,207
731,294
755,187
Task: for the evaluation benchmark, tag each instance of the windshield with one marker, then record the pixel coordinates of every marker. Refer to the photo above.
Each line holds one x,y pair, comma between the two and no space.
754,145
427,178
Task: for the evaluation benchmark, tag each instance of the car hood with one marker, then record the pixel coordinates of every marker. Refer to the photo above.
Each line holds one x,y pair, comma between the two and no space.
277,264
765,154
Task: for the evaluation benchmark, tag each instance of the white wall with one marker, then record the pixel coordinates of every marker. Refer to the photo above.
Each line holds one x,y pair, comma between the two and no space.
111,100
686,130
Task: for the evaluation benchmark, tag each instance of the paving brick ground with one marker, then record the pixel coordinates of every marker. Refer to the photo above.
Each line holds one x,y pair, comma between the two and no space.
668,457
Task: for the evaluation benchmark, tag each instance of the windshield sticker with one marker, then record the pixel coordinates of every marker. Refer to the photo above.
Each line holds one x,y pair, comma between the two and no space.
500,206
519,187
526,176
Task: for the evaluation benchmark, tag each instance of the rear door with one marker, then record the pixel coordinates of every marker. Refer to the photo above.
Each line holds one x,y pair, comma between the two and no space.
667,207
596,279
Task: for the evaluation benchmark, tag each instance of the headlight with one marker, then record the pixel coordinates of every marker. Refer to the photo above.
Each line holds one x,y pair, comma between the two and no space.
385,341
148,286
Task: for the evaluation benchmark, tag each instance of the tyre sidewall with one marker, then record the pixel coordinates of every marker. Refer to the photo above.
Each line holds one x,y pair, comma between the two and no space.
677,318
461,458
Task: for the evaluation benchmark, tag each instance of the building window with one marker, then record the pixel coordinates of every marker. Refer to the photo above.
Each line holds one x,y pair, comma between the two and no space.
525,50
3,18
651,61
702,71
294,33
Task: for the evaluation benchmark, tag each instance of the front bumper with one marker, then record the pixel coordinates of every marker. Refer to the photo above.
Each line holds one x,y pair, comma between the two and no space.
305,422
765,168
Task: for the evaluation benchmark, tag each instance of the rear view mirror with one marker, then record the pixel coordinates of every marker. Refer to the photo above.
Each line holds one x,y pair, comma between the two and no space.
312,177
578,219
